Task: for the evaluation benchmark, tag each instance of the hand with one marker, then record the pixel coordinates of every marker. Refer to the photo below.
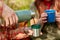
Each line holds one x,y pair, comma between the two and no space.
9,16
43,18
58,19
30,32
21,36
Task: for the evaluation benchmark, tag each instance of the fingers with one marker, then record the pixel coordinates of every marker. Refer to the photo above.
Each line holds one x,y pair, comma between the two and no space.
20,36
30,32
13,19
58,17
6,21
43,15
44,21
58,20
16,18
43,18
10,20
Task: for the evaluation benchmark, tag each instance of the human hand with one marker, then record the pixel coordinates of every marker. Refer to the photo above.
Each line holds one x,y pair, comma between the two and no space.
43,18
30,32
58,19
21,36
9,16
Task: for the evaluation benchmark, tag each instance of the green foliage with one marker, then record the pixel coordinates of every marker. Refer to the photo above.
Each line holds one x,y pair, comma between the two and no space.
18,4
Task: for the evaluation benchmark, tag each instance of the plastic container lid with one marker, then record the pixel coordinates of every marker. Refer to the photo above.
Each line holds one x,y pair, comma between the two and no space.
36,26
50,11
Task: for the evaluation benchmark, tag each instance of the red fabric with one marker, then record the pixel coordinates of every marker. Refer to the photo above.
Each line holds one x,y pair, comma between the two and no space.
47,4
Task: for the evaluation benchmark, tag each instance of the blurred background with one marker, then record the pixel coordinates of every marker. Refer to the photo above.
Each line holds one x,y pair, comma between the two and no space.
19,4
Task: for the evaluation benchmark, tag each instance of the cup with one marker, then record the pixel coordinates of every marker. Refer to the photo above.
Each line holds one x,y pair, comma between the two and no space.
51,15
36,30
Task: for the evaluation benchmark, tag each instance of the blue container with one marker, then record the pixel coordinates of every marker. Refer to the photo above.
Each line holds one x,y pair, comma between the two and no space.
51,16
24,15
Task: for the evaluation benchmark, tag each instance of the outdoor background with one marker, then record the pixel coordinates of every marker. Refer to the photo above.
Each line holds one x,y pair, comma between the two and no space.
18,4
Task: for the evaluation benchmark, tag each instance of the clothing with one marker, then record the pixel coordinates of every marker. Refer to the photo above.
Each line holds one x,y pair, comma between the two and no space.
50,30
